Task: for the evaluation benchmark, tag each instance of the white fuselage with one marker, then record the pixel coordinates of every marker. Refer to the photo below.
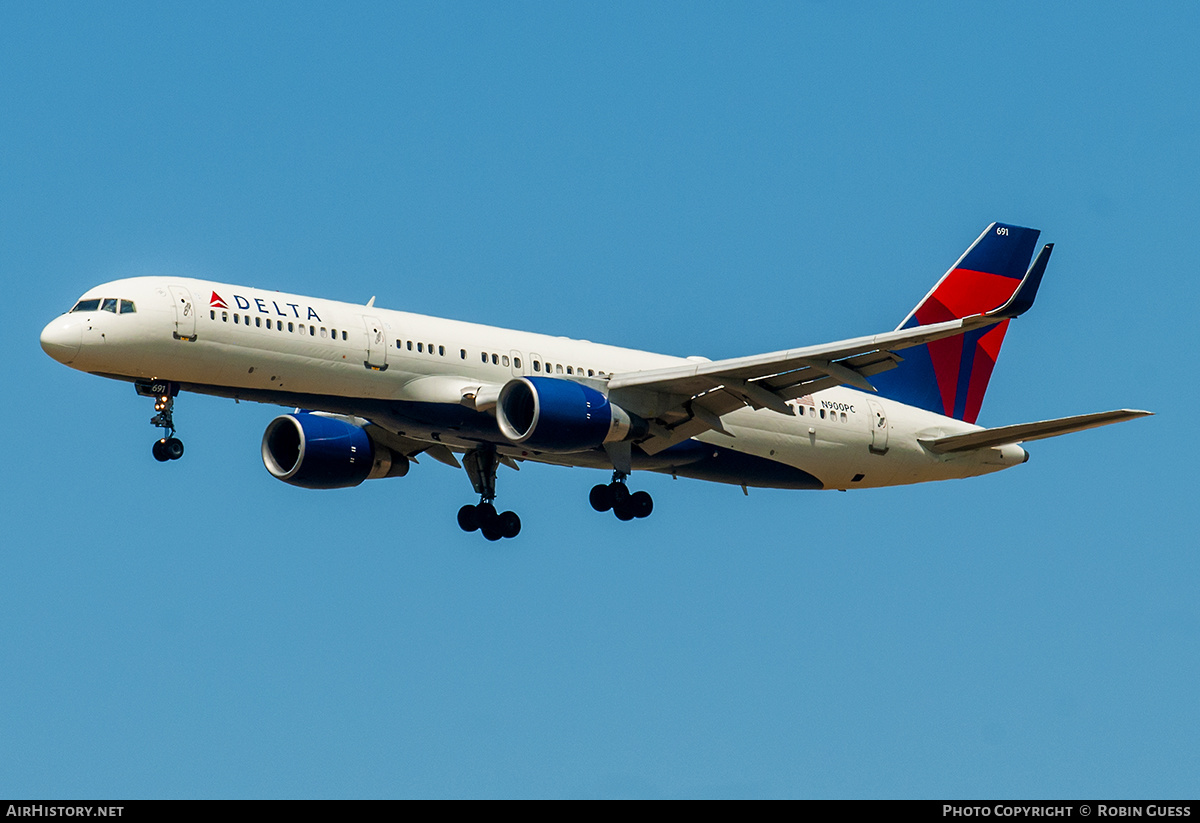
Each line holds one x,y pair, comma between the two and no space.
415,375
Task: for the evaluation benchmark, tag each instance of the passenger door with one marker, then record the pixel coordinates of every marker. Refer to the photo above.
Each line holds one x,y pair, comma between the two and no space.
879,427
376,344
185,313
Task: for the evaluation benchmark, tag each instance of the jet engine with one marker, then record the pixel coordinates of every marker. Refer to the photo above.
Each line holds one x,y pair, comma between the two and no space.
319,452
562,416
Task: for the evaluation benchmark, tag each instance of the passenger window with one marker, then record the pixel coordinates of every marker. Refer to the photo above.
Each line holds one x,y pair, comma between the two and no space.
495,360
291,326
537,365
224,317
302,328
558,368
441,351
842,417
504,360
569,370
483,356
343,335
127,307
462,353
591,373
312,331
258,322
212,314
517,362
87,305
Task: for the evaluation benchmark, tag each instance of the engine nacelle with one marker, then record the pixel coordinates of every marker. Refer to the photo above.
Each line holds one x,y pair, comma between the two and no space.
318,452
554,415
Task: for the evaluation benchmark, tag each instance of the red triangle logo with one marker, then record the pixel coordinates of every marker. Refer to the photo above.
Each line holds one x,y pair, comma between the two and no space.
217,302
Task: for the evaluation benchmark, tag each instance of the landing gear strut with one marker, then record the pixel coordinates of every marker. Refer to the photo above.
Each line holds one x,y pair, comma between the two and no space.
481,464
616,496
167,447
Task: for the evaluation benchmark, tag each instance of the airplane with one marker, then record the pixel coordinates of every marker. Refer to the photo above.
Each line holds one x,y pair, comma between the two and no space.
374,389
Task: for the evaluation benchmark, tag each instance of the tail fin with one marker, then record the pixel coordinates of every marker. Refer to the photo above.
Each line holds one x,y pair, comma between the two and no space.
950,376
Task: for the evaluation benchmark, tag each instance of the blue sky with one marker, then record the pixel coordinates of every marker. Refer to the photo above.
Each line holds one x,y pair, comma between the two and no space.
695,179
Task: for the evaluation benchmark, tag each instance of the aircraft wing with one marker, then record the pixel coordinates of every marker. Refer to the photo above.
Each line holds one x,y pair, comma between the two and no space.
686,400
1024,432
691,399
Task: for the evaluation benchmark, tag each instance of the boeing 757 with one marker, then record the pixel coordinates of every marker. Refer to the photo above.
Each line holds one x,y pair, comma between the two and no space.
374,389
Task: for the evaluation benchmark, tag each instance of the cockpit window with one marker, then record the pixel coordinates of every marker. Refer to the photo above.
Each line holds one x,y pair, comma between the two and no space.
87,305
110,304
127,307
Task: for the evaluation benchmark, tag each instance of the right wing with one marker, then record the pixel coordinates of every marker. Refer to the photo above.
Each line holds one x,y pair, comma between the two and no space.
683,401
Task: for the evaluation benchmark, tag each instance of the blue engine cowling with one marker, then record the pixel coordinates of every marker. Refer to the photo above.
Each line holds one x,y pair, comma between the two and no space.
318,452
553,415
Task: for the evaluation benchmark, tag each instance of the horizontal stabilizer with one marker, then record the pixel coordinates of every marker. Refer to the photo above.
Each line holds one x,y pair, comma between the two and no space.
1023,432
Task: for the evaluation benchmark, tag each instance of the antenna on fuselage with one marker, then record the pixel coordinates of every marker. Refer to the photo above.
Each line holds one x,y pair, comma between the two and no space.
371,302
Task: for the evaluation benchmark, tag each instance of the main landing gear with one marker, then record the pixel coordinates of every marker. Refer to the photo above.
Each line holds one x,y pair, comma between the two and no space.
616,496
167,447
481,464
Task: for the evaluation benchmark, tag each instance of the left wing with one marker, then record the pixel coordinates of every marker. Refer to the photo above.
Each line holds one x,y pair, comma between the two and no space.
684,401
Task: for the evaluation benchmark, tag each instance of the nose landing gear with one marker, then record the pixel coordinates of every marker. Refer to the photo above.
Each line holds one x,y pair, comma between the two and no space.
167,447
626,505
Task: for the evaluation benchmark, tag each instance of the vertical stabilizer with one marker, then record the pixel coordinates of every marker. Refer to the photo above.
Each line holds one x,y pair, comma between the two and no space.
950,376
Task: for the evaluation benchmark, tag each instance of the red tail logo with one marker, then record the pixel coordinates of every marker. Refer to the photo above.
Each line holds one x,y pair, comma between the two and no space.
216,302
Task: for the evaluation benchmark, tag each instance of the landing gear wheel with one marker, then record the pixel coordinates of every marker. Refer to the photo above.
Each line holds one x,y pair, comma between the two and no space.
484,519
601,498
510,524
485,513
173,448
625,505
468,518
159,451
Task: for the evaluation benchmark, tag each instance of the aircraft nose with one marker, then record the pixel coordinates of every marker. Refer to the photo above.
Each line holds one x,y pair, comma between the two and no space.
61,339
